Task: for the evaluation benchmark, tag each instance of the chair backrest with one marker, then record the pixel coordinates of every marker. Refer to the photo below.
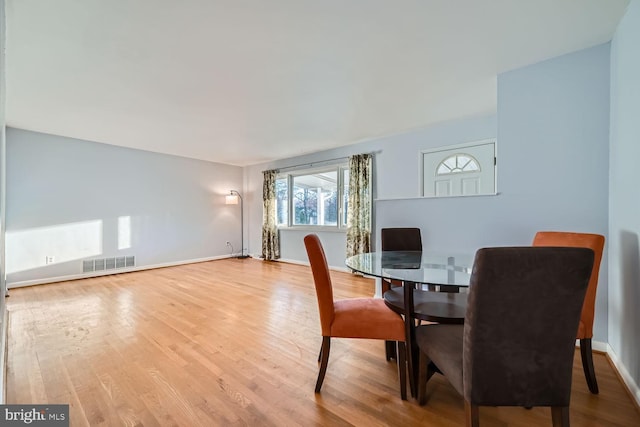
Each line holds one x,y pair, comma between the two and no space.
581,240
519,333
401,239
322,280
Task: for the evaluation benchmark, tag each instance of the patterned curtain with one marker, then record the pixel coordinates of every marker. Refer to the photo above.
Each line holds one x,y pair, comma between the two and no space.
270,240
359,207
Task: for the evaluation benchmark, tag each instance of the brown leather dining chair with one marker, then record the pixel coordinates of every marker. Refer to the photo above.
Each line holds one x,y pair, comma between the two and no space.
405,239
517,344
397,239
585,328
351,318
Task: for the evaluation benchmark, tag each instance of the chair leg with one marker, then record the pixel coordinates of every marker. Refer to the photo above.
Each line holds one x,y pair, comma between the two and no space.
587,364
560,416
402,368
423,376
326,345
472,415
390,350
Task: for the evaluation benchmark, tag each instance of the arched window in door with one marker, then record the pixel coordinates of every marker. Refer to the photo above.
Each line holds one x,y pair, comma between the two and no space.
463,170
458,163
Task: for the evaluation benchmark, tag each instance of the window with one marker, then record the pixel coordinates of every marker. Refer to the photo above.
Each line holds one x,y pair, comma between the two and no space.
315,197
458,163
461,170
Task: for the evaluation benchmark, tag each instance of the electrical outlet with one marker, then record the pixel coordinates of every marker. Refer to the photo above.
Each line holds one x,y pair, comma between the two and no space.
50,259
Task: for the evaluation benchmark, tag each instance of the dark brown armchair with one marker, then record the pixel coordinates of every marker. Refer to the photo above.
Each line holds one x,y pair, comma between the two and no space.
517,344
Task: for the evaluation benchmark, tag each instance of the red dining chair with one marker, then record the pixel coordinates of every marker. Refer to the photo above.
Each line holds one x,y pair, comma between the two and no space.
351,318
594,242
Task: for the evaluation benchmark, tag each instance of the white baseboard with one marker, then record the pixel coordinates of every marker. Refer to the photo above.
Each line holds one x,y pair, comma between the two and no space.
624,374
12,285
599,346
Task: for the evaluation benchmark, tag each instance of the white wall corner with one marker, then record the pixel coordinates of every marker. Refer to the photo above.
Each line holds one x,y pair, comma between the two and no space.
624,374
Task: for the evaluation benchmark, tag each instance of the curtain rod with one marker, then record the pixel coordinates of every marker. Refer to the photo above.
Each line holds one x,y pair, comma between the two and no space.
311,164
318,163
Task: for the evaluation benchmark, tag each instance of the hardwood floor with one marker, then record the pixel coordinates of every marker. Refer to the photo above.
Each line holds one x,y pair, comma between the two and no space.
232,342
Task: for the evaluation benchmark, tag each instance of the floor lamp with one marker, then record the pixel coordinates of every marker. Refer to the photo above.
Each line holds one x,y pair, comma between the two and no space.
232,199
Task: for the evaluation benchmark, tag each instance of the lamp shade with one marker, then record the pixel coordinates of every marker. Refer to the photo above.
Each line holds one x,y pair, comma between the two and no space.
231,199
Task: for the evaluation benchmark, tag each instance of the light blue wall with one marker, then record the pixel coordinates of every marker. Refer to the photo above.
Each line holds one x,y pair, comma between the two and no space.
552,144
624,196
553,134
175,205
552,131
396,173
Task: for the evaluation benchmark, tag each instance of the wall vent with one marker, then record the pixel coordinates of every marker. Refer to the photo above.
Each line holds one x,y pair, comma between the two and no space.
112,263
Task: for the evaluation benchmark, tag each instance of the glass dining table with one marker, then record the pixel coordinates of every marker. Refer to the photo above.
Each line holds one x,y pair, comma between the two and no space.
438,283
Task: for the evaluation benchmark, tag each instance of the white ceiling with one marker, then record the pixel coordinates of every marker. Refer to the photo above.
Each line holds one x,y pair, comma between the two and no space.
248,81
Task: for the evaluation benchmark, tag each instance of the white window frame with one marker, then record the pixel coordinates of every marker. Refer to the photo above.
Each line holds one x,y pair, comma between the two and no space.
290,175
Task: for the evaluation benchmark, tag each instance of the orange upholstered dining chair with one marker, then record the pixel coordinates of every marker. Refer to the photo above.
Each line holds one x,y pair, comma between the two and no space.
585,329
351,318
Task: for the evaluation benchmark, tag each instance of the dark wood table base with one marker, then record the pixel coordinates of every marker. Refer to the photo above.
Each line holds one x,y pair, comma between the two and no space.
440,307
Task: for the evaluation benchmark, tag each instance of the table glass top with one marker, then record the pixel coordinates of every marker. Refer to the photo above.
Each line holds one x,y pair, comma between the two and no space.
413,266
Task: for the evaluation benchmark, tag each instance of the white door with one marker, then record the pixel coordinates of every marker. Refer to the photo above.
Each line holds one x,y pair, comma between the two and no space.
462,171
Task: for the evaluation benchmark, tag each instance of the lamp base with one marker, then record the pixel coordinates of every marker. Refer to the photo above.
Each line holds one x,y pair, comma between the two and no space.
243,256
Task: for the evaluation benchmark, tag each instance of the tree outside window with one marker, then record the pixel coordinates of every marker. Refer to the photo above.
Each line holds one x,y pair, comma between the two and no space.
312,199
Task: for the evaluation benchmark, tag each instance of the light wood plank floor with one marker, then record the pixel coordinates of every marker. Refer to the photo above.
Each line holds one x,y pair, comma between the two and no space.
231,342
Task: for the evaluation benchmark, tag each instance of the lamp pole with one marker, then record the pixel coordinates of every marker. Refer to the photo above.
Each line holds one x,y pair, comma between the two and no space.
242,255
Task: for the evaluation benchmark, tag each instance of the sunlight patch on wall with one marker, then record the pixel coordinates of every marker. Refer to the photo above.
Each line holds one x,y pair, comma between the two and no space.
124,232
43,246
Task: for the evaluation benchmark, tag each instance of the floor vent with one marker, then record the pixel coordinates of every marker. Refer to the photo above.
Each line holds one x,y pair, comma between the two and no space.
112,263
